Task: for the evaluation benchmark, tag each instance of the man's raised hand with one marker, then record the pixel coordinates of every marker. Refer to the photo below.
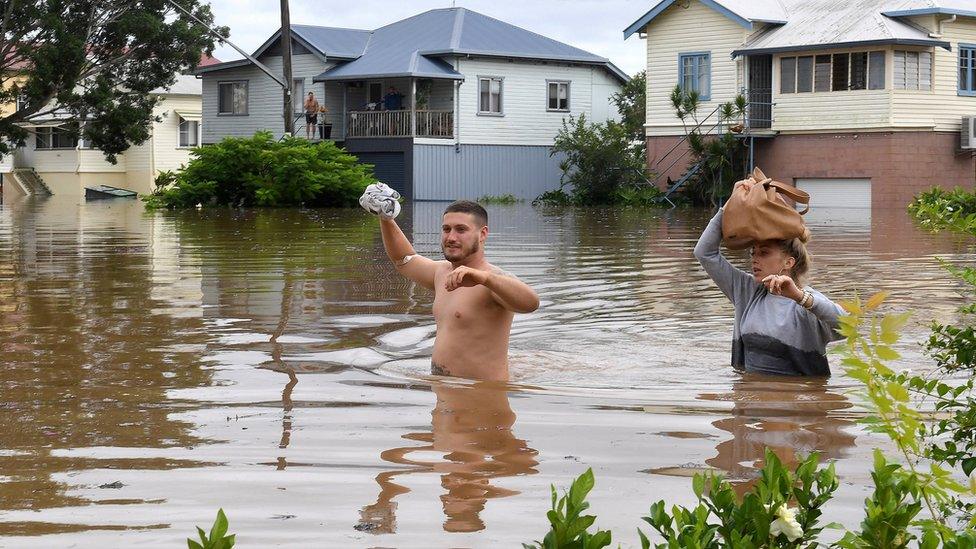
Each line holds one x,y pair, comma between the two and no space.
465,277
379,199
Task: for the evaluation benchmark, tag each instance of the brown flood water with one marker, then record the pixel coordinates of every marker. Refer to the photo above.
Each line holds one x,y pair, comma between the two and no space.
155,367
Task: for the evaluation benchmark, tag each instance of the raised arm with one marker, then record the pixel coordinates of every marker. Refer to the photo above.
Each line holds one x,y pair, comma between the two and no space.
417,268
732,281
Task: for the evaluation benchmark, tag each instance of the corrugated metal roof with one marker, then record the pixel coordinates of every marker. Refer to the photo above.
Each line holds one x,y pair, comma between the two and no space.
334,42
948,7
411,47
814,24
186,84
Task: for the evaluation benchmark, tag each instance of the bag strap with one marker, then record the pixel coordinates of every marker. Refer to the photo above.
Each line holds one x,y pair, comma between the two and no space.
801,197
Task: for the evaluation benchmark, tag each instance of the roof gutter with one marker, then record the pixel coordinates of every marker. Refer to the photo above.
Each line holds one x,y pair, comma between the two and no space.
835,45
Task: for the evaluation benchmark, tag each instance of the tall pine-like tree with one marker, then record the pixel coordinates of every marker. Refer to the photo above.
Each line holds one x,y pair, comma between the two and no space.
94,62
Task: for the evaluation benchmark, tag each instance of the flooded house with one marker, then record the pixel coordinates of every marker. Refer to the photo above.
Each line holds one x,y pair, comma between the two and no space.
477,101
54,161
861,103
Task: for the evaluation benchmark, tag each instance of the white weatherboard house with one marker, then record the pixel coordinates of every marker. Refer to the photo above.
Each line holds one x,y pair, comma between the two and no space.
483,99
861,102
67,166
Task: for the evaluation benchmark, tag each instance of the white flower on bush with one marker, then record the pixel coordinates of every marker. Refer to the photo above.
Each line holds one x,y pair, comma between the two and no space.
785,523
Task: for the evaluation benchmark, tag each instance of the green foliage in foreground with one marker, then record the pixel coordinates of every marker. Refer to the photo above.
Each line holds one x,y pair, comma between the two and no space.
501,199
217,538
920,502
601,164
260,171
568,525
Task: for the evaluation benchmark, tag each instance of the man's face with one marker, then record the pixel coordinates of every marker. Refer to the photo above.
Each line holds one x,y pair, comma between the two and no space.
461,236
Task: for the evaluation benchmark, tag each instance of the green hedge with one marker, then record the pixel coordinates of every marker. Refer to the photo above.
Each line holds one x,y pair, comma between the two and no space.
260,171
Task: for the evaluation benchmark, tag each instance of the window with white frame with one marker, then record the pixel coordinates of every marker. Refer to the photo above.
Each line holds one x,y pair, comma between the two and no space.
695,73
55,138
232,98
189,133
21,102
838,72
298,95
490,95
558,96
913,70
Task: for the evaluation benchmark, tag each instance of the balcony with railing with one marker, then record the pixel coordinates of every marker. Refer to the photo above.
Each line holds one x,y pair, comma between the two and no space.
401,123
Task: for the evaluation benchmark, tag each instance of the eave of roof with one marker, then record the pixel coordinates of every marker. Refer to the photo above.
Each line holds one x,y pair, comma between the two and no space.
814,47
222,66
930,11
325,77
746,23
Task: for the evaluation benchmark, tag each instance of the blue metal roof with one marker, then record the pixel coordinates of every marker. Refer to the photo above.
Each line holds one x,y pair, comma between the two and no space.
412,47
334,42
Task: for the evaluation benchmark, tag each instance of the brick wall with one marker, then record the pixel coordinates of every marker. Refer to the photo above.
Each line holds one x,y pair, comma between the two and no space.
899,164
657,147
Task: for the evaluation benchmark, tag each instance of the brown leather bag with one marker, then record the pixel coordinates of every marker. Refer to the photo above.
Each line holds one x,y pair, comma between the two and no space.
762,213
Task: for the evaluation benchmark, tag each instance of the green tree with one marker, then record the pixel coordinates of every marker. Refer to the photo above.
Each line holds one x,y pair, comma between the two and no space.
95,62
631,102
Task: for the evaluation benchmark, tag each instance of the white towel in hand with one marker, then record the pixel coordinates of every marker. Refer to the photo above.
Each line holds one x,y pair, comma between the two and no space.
381,200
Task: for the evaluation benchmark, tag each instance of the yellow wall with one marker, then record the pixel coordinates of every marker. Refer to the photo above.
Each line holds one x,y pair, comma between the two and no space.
942,107
693,29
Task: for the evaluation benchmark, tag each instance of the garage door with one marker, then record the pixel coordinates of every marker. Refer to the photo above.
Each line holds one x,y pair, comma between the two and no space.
388,167
837,193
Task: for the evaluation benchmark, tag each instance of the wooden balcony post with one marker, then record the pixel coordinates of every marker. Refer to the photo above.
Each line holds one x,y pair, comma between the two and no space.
413,107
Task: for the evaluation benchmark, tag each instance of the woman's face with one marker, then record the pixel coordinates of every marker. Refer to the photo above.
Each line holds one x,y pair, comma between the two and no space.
768,258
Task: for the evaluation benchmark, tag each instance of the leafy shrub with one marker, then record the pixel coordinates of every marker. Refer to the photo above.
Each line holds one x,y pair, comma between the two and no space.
939,209
568,525
217,538
501,199
781,510
259,171
601,161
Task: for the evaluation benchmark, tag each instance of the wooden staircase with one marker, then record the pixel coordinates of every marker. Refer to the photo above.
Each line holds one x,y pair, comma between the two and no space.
31,184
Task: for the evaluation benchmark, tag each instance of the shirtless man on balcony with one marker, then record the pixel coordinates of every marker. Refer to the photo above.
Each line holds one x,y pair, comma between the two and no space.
474,301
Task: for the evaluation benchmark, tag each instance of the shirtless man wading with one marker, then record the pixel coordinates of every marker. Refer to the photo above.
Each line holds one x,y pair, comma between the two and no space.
474,301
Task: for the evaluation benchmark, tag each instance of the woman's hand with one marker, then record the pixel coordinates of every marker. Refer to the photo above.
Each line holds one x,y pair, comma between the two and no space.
746,184
783,285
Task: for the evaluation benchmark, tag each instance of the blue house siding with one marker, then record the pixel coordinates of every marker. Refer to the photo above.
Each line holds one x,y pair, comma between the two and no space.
441,172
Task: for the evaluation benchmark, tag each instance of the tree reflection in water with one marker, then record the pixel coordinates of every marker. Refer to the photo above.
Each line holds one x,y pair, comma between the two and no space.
471,425
790,416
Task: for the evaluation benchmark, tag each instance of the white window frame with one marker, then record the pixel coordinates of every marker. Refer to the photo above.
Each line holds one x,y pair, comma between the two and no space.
785,87
49,130
501,95
298,96
247,98
558,83
903,84
179,133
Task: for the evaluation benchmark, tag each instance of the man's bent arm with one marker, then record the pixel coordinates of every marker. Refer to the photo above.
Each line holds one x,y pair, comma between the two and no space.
512,293
419,269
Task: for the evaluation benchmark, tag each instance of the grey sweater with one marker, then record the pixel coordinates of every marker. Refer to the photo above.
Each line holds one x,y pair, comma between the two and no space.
772,334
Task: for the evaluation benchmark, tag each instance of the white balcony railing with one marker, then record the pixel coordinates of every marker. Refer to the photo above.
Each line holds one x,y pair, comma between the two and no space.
398,124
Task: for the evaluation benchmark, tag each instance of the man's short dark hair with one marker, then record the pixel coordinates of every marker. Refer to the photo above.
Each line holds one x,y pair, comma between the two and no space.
469,207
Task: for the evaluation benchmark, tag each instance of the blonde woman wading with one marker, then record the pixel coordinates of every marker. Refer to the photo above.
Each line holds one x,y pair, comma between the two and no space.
781,327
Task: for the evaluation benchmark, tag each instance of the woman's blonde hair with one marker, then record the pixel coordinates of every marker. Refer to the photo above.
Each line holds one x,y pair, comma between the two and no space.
797,249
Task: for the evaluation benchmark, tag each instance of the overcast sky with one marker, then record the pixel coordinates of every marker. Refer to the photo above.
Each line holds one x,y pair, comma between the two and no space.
593,25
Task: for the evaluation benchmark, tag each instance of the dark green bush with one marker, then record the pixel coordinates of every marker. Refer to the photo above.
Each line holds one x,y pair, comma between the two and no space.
260,171
602,164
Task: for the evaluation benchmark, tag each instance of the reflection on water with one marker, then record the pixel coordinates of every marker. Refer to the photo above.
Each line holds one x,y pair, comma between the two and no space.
791,417
158,366
472,427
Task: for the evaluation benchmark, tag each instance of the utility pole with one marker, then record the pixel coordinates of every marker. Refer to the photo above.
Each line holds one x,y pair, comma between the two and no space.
286,67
